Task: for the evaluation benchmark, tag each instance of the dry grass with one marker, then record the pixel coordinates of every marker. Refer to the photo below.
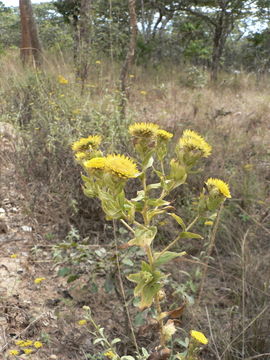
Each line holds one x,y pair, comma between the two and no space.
234,116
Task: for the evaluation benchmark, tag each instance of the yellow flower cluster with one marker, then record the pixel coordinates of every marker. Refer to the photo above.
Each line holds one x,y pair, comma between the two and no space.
23,344
39,280
119,165
149,130
191,140
220,186
84,144
62,80
82,322
199,336
110,354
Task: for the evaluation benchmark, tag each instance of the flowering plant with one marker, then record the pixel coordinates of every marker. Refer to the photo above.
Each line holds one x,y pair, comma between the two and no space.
106,178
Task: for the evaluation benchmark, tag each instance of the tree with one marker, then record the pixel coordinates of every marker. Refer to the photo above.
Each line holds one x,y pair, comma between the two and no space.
30,44
130,55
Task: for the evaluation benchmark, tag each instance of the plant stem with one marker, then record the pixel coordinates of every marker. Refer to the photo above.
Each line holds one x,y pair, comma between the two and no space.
127,226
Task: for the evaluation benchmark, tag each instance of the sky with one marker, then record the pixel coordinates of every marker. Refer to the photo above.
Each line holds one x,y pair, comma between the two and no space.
16,2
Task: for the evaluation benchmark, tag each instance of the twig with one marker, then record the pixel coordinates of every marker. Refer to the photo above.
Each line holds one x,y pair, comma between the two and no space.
243,290
211,333
23,331
209,252
123,291
257,356
251,322
253,218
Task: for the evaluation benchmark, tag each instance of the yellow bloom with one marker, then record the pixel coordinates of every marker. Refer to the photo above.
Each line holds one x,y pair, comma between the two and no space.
143,129
82,322
98,62
62,80
27,351
248,167
220,186
38,281
164,135
20,342
193,141
38,344
143,92
110,354
13,352
121,166
27,343
14,256
131,76
92,141
208,223
95,163
199,336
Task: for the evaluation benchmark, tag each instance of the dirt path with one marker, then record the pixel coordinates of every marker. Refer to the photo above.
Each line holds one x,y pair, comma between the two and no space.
30,311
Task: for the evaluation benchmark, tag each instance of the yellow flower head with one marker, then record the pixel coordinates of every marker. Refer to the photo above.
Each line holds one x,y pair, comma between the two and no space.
95,163
62,80
27,343
98,62
191,140
110,354
164,135
143,129
38,281
82,322
20,342
38,344
199,336
14,256
143,92
27,351
92,141
220,186
121,166
13,352
208,223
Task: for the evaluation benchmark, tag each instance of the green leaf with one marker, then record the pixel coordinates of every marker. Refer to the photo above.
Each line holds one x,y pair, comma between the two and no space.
179,220
143,236
157,202
161,259
64,271
72,278
140,196
153,186
127,262
190,235
148,294
109,283
115,341
148,163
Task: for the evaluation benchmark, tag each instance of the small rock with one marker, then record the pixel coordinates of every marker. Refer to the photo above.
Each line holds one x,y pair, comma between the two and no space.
26,228
2,211
53,357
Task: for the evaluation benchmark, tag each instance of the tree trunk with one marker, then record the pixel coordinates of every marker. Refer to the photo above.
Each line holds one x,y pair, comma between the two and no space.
30,44
129,57
83,60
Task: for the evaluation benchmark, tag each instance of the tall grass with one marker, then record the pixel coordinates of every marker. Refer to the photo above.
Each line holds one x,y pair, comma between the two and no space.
233,115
